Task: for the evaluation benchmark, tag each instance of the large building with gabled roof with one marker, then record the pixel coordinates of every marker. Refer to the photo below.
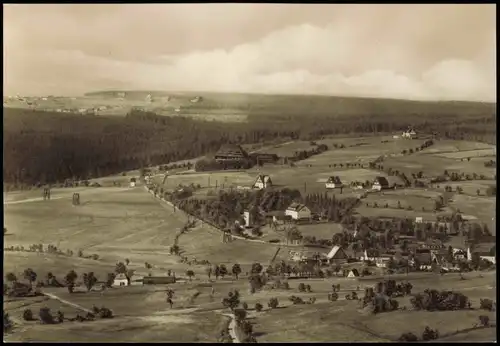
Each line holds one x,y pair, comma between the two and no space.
230,152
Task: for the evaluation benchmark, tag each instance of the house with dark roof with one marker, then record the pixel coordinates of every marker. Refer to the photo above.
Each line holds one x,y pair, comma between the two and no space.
380,183
298,211
333,182
230,152
337,255
262,182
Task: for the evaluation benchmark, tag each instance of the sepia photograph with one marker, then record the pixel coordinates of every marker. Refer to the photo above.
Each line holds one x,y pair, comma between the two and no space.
249,173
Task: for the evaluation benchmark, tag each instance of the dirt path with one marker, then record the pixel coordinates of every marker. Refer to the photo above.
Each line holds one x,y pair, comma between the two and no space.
53,296
232,328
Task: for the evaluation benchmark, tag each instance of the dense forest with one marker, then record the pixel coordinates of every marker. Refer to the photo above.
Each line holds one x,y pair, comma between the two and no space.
44,147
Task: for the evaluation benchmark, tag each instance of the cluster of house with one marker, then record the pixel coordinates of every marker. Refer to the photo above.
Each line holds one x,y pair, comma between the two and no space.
121,280
408,134
425,254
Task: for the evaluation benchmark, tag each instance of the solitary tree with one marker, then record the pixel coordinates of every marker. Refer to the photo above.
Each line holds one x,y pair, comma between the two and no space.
11,277
209,271
89,280
70,279
190,274
30,275
236,270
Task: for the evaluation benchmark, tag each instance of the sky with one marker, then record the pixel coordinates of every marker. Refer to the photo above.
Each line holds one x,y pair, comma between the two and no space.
419,51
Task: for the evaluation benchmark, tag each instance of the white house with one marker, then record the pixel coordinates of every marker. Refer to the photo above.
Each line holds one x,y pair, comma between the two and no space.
409,134
178,109
249,216
120,280
262,182
419,219
380,183
333,182
132,182
298,211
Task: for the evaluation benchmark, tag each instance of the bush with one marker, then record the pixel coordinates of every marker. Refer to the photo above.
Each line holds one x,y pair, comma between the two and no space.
432,300
273,303
484,320
240,314
28,315
245,306
486,304
105,313
258,307
302,287
45,316
429,334
408,337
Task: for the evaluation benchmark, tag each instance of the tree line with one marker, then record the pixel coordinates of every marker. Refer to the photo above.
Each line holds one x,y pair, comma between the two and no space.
47,147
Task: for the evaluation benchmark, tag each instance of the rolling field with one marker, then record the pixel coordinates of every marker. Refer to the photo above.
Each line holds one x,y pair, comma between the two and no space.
361,150
481,207
405,197
315,322
433,165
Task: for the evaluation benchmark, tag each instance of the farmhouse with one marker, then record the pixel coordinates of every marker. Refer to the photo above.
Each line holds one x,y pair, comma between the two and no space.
262,182
384,183
380,183
230,152
409,134
120,280
306,256
333,182
298,211
353,273
337,255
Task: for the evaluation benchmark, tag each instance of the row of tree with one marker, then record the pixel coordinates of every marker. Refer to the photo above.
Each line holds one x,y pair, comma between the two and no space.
83,146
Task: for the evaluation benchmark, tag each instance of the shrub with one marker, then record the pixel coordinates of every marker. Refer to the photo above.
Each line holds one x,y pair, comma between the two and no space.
245,306
273,303
258,307
486,304
484,320
45,316
429,334
105,313
302,287
240,314
28,315
408,337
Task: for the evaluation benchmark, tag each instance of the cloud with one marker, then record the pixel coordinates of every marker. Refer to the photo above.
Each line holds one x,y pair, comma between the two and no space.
379,56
